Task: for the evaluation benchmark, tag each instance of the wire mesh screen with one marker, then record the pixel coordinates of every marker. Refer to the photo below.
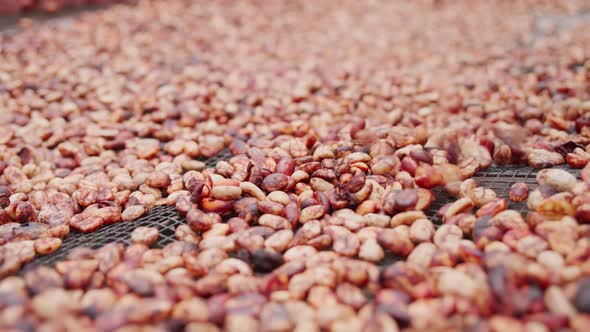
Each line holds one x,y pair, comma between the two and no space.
163,217
440,199
499,179
166,219
225,154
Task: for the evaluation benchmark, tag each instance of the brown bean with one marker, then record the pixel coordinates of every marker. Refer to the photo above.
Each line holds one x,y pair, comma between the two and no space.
216,230
559,179
138,311
406,199
98,300
275,181
557,302
320,185
457,283
400,200
540,158
109,214
191,310
460,206
311,212
492,208
85,224
422,255
447,234
21,212
377,220
428,177
144,235
466,187
5,193
406,218
216,205
77,274
226,193
425,198
279,240
133,212
274,222
270,207
280,197
85,197
519,192
502,154
299,253
397,240
42,278
371,251
55,303
531,246
199,221
555,208
422,230
251,189
481,196
47,245
346,244
186,234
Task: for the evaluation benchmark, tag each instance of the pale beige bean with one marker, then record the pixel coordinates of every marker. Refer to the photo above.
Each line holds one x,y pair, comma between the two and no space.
251,189
226,193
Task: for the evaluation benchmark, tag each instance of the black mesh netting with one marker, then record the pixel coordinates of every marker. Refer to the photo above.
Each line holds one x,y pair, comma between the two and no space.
165,218
499,179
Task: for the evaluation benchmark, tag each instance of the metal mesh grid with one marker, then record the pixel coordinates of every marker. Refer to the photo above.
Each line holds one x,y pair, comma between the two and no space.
440,199
165,218
499,179
225,154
